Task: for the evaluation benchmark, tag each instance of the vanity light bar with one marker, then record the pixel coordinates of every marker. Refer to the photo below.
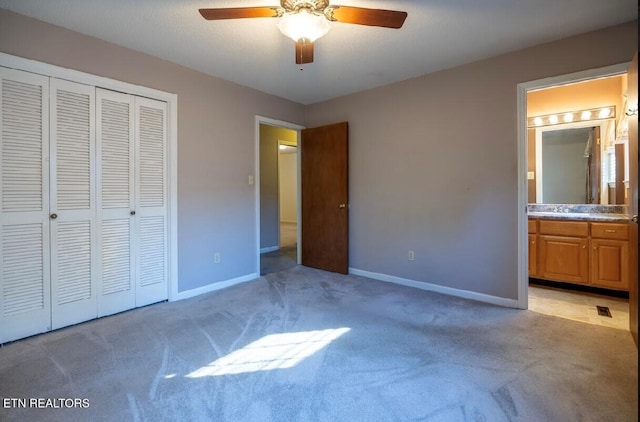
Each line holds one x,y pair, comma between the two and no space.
600,113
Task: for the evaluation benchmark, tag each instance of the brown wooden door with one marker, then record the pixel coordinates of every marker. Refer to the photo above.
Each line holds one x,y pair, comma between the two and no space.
632,99
324,158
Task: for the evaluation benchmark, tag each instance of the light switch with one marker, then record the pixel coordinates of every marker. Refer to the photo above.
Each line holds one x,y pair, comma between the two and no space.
251,179
531,175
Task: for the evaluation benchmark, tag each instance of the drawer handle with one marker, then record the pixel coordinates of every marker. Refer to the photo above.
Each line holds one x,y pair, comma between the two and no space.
609,231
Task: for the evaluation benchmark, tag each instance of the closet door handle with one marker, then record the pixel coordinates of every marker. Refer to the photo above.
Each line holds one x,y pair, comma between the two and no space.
53,216
132,213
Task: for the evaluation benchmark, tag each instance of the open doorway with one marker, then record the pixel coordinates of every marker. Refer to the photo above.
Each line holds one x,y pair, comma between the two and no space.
277,195
580,116
288,195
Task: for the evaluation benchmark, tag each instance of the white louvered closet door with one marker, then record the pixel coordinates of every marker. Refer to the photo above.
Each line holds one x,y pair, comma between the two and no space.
151,201
116,212
72,203
24,215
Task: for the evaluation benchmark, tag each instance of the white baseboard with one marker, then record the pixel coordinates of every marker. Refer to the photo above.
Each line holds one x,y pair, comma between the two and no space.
269,249
465,294
215,286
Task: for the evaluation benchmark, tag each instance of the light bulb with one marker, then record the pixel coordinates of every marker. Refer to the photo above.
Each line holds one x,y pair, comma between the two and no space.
604,113
304,26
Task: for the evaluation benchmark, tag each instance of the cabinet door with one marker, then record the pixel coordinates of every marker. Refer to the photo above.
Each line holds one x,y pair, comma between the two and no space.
533,256
25,290
151,201
72,201
610,263
115,201
564,259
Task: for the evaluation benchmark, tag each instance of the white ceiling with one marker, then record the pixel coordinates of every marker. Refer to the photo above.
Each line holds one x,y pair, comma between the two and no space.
437,34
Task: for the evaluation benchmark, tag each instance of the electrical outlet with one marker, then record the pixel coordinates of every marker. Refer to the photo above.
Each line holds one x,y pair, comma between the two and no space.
411,256
216,258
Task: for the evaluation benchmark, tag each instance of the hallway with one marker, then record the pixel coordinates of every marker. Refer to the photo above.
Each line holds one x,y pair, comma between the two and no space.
284,258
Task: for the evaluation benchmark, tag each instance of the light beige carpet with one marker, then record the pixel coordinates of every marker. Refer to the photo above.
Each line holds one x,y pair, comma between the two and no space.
306,345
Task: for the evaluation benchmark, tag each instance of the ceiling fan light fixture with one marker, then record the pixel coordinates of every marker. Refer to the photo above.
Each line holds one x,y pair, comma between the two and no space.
304,26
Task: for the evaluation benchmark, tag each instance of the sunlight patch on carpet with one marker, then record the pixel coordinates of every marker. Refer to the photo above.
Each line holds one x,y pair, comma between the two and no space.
275,351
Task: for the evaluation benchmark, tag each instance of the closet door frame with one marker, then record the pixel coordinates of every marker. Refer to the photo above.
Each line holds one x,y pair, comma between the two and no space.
171,100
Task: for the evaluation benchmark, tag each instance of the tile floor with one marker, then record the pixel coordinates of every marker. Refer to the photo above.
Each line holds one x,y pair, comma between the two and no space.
579,306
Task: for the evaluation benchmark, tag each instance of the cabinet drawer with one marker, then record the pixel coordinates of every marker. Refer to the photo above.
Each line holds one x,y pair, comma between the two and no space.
532,226
564,228
610,231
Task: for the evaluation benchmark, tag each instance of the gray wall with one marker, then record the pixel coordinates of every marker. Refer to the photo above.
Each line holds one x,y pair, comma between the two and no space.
216,141
433,163
269,220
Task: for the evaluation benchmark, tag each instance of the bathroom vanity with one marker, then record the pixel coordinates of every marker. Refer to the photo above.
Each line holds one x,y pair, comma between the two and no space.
581,244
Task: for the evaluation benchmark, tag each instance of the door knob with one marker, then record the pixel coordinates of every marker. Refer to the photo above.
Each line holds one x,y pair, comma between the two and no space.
342,206
635,219
53,216
132,213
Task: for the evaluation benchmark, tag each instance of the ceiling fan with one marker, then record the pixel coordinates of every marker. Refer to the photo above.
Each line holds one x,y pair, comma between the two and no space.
305,21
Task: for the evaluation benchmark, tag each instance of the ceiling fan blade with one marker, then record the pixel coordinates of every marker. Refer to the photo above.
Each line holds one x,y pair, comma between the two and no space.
304,53
239,13
369,17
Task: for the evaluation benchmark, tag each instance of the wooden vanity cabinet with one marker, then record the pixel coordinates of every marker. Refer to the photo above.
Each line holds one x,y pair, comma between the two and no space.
563,251
582,252
609,258
533,248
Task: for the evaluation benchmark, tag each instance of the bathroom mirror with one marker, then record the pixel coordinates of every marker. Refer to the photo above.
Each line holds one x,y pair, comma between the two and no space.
579,163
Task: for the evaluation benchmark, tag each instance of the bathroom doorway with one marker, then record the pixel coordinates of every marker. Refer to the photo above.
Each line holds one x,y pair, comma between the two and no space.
583,101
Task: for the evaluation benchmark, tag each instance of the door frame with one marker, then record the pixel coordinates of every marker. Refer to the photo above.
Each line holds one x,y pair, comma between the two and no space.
521,139
256,180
